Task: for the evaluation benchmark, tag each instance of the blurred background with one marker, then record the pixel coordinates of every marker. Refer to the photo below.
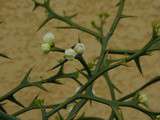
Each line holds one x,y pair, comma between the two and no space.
20,40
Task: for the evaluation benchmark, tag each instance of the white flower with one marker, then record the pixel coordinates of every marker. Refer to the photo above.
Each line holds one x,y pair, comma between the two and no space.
70,54
49,38
79,48
46,47
158,117
142,98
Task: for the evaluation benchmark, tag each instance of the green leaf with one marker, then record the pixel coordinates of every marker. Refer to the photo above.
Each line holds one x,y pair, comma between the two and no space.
37,102
35,98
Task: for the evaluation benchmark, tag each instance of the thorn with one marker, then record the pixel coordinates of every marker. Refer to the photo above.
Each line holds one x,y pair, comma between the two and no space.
13,99
137,61
45,22
65,27
5,56
36,4
127,16
26,77
82,73
56,66
72,16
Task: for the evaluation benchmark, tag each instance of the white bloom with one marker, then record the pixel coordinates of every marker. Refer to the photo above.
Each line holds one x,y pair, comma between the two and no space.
70,54
49,38
158,117
142,98
79,48
45,47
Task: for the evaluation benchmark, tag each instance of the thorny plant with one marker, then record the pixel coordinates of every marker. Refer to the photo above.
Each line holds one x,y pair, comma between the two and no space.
135,100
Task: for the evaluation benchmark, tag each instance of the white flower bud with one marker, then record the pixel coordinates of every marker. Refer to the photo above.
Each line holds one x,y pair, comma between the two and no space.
46,47
79,48
49,38
142,98
158,117
70,54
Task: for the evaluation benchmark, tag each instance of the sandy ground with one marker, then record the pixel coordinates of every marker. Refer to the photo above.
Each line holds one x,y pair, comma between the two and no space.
19,40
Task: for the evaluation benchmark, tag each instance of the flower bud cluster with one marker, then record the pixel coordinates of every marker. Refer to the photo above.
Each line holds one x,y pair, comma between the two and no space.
48,42
70,53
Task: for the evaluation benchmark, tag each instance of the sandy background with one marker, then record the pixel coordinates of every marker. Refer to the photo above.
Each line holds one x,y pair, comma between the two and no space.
19,40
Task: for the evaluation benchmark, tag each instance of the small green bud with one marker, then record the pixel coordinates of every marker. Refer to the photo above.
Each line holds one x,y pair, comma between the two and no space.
46,48
142,98
156,28
38,102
